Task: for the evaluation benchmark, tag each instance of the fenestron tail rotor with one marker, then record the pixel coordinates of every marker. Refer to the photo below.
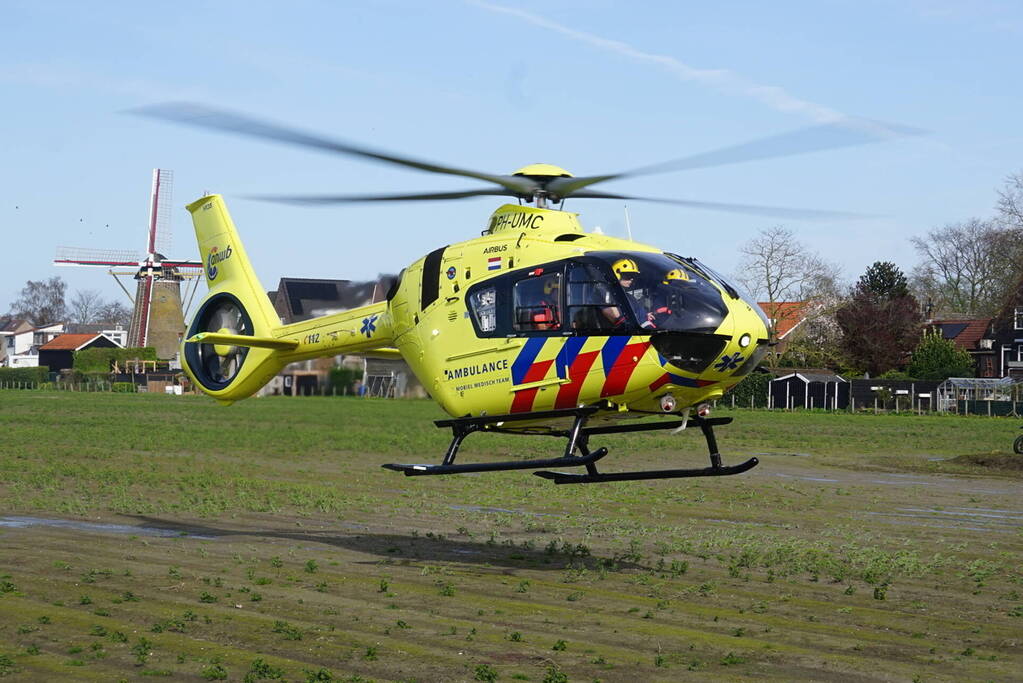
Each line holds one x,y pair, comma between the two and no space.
542,183
217,364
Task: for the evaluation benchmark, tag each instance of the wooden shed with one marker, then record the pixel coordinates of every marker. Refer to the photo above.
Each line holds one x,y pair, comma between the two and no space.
59,353
809,390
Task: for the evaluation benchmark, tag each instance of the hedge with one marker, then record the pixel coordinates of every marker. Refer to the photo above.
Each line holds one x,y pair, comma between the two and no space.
340,380
754,386
101,360
39,374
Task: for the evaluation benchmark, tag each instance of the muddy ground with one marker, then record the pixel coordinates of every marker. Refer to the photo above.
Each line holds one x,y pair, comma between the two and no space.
246,566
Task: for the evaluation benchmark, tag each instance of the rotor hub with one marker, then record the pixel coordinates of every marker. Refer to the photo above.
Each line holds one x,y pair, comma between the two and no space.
540,171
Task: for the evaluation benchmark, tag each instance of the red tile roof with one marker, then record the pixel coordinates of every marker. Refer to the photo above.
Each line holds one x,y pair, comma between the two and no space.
68,342
786,314
967,339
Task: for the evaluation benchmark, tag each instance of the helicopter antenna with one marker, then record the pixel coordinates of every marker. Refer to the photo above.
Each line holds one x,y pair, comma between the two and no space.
628,223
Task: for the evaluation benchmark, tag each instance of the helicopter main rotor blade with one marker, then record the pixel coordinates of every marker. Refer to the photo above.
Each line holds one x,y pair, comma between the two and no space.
221,120
845,133
351,199
752,209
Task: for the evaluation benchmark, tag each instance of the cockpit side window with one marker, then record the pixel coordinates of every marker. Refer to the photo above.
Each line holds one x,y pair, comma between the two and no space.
592,305
537,302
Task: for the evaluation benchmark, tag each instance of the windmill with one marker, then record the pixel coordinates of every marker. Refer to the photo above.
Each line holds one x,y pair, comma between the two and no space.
157,317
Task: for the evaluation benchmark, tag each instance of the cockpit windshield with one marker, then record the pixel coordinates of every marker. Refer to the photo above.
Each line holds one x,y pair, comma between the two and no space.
660,293
604,293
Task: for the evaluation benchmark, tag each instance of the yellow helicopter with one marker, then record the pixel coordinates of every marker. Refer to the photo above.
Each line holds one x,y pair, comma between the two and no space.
535,327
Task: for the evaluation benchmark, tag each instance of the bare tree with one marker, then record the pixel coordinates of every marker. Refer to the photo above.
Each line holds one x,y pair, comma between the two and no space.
776,267
1010,201
114,313
969,268
958,267
41,301
85,306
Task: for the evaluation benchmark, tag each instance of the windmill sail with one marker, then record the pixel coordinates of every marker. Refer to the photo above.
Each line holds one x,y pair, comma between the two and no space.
157,319
160,237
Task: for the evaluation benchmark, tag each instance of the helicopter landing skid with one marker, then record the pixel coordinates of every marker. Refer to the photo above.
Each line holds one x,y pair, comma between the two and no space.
578,437
464,426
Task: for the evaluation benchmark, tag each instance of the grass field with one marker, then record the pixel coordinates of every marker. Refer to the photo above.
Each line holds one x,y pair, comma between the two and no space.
263,541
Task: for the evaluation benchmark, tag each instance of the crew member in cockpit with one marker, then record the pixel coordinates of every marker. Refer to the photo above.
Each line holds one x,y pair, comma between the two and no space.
545,314
665,297
627,272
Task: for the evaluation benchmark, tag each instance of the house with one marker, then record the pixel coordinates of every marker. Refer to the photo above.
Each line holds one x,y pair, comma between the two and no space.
298,299
1002,343
14,332
22,342
114,332
786,316
972,336
786,319
59,353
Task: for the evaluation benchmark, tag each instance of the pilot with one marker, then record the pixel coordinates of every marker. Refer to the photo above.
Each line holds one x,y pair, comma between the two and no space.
627,272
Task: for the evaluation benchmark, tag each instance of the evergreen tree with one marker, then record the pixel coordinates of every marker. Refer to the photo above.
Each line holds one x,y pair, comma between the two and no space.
883,280
881,321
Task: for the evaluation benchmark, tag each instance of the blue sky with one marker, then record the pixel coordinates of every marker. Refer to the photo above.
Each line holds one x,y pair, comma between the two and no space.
592,86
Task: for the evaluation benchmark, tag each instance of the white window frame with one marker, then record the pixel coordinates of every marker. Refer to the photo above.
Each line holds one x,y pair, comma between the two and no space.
1017,318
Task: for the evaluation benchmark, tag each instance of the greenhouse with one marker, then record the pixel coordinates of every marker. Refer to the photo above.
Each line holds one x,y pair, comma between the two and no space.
981,396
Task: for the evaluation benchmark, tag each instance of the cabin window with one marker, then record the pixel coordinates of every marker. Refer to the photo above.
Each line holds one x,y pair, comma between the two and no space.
484,307
1017,317
537,302
591,304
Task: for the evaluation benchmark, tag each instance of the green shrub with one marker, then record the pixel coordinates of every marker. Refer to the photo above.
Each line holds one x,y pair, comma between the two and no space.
24,375
101,360
340,380
896,374
754,386
936,358
123,387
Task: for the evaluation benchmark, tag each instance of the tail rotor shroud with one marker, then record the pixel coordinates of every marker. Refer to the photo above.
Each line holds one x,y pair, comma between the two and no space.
216,365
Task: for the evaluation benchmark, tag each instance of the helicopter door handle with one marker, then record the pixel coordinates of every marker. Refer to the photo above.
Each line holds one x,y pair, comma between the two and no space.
452,299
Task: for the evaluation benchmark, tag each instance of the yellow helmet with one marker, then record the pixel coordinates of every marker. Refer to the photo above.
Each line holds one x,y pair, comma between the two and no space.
625,267
550,285
675,274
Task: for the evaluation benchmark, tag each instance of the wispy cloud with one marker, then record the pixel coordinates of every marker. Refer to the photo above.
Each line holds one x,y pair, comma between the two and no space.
67,77
722,80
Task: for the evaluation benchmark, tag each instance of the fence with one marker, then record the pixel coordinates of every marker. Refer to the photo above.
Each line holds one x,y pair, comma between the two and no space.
89,387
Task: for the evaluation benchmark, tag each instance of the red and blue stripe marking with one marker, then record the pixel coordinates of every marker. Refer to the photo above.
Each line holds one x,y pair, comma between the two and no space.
619,358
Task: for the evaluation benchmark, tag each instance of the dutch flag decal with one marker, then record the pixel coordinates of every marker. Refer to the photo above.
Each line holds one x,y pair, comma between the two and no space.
494,263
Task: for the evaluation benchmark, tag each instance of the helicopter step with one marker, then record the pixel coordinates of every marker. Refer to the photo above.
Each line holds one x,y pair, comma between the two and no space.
578,440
